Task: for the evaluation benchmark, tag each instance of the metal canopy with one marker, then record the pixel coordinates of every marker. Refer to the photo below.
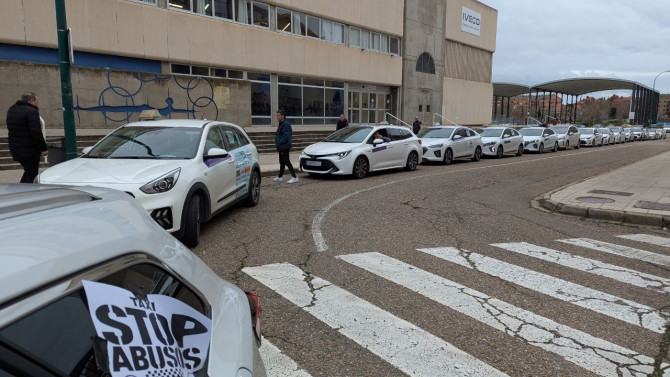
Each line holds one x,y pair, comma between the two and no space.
504,89
578,86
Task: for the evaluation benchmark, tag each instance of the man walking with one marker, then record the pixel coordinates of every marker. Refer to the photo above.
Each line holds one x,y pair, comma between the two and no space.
283,138
342,123
26,142
416,126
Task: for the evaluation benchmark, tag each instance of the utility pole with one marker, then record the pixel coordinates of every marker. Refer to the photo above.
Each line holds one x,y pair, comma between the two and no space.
64,49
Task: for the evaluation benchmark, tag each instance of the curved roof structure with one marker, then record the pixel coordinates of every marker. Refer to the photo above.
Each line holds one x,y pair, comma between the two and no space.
577,86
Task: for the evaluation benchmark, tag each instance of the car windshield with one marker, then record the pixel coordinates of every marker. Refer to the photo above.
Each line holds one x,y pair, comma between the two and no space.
560,130
435,133
148,143
636,129
491,132
349,135
531,131
586,131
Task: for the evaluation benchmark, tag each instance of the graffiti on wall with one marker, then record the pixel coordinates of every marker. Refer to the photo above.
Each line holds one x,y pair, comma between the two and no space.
178,96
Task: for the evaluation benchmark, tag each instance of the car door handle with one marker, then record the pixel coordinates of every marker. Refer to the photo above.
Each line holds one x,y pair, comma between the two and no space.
248,153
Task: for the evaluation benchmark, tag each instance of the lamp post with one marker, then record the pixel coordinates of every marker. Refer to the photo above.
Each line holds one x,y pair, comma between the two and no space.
653,90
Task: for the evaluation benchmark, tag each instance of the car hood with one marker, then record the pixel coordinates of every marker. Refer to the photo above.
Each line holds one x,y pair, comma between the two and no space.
322,148
433,140
489,139
108,171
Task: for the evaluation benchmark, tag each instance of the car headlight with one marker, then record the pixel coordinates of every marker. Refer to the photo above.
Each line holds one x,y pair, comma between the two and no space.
162,184
303,154
490,143
436,146
339,155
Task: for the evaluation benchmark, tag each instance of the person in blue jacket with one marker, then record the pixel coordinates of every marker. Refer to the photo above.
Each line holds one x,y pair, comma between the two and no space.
283,138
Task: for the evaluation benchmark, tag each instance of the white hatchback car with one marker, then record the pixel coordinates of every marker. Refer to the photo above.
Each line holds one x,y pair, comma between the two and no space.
499,141
87,274
568,136
619,135
608,136
539,139
590,137
182,172
446,143
359,150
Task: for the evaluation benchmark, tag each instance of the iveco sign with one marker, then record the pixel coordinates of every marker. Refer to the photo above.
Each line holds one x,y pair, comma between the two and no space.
471,21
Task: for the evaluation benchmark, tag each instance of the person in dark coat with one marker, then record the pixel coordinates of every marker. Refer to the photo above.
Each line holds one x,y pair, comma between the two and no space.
343,122
416,126
26,142
283,138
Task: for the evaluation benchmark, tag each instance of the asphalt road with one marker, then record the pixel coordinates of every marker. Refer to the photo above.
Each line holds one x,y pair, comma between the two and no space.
396,274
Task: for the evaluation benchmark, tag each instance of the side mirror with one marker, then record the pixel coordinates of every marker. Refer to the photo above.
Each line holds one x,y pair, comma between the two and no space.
216,153
505,136
457,137
377,141
86,150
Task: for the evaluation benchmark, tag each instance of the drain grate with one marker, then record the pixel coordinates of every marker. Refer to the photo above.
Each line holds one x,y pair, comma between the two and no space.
595,200
605,192
653,205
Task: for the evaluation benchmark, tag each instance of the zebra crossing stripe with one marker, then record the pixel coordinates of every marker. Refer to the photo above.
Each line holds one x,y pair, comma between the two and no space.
622,274
620,250
594,354
600,302
277,364
400,343
648,238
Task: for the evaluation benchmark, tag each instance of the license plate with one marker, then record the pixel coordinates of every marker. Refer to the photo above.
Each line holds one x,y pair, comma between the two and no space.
313,163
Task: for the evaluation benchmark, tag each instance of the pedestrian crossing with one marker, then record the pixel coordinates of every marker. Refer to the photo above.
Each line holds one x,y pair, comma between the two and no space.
417,352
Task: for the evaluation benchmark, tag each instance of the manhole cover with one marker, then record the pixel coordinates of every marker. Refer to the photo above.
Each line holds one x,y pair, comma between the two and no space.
605,192
595,200
653,205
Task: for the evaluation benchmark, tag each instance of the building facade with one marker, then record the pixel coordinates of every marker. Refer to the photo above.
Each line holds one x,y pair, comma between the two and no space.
242,60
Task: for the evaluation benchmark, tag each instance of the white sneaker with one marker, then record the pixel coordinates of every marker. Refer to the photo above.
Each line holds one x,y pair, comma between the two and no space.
278,179
293,180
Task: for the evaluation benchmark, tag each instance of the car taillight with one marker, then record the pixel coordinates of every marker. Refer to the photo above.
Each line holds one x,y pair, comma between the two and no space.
256,311
419,141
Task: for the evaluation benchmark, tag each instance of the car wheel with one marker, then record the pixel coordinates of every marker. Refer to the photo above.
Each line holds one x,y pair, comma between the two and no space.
192,222
361,167
412,161
254,193
593,144
541,149
567,145
578,146
478,154
500,152
520,151
555,147
448,157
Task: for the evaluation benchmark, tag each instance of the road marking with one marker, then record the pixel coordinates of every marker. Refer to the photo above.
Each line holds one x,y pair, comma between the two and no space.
648,238
600,302
277,364
398,342
594,354
592,266
317,222
623,251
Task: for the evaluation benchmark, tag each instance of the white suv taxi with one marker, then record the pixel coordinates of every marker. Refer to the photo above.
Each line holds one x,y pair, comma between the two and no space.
92,286
182,172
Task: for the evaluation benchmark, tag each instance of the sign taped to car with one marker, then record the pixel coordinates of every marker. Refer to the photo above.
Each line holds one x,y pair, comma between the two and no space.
146,336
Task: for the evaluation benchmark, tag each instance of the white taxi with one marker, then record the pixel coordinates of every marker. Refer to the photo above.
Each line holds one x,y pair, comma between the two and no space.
182,172
446,143
590,137
539,139
568,135
499,141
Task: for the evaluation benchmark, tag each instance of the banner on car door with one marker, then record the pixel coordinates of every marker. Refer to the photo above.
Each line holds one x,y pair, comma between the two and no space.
147,336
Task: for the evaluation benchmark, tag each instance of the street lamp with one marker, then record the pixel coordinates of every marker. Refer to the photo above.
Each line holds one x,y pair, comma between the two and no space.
653,90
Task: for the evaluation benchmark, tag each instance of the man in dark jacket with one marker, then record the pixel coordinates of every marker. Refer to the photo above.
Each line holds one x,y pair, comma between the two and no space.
283,138
26,142
343,122
416,126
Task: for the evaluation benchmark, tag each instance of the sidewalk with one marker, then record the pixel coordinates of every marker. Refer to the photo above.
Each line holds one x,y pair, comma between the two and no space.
269,167
637,194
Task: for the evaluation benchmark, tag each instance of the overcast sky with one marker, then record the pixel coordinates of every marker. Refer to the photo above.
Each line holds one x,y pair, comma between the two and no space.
546,40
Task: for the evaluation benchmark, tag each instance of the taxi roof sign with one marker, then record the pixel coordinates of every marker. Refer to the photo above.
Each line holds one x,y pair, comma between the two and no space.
152,114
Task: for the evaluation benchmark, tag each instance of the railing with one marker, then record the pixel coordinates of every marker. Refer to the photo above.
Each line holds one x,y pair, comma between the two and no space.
398,119
445,118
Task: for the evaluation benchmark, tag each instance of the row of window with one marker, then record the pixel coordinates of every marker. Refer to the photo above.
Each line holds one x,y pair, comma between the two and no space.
244,11
309,26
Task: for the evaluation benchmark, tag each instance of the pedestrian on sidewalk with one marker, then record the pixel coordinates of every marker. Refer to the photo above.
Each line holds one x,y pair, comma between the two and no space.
342,123
283,138
416,126
26,141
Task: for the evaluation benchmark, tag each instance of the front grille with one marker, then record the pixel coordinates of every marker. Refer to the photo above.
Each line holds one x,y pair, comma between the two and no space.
525,143
437,153
326,165
163,216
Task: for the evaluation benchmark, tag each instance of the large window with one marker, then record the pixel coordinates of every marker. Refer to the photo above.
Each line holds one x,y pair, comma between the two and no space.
310,101
368,107
425,63
244,11
297,23
261,96
369,40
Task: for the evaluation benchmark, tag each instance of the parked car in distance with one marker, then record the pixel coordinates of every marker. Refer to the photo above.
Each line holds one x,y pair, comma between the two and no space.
619,136
539,139
447,143
183,172
663,131
637,133
645,133
654,134
608,137
590,137
498,141
568,135
83,269
628,135
358,150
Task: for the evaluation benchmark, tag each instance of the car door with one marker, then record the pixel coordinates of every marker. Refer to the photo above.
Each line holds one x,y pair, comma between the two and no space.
573,134
242,156
509,144
472,141
380,155
549,138
517,139
399,146
460,143
220,172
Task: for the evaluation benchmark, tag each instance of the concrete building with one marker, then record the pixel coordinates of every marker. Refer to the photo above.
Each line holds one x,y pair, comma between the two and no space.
242,60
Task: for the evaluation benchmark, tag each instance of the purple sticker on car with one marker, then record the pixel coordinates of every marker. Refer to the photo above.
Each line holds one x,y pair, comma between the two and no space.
378,149
216,161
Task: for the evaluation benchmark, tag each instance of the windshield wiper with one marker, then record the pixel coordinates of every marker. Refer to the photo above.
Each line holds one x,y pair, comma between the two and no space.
148,148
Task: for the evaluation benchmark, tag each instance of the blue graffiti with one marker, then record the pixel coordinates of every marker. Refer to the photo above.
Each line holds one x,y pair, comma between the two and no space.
123,114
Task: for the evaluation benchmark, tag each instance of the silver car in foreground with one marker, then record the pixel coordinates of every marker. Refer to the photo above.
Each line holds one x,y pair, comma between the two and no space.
446,143
568,136
92,286
590,137
539,139
499,141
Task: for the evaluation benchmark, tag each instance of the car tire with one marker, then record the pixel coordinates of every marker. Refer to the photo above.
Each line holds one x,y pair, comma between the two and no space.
478,154
567,145
412,161
555,149
192,222
541,149
520,151
361,167
579,145
500,152
448,157
254,192
593,144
